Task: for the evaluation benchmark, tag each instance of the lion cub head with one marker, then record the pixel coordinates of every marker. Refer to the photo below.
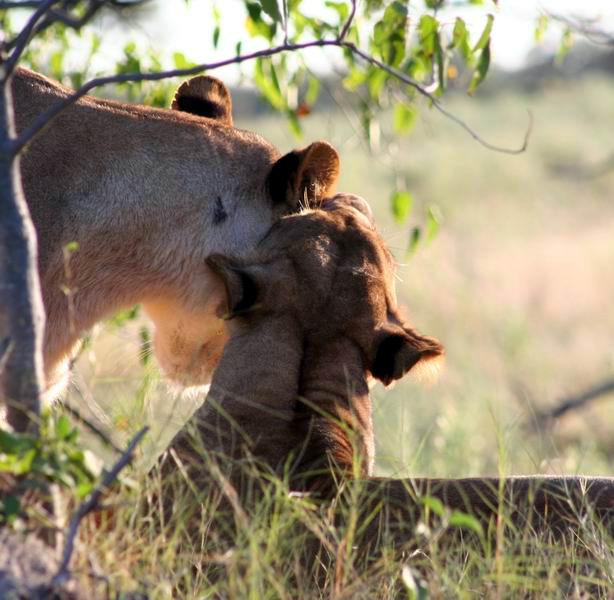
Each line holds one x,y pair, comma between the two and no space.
332,277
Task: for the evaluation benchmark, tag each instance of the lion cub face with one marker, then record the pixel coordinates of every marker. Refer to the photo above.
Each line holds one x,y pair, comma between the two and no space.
331,272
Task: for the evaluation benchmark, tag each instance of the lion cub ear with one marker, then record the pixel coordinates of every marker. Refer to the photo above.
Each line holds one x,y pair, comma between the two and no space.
401,349
303,178
241,283
205,96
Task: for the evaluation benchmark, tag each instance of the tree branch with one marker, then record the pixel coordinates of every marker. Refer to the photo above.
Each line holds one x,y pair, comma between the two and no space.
22,315
91,504
438,105
348,23
586,28
25,35
45,118
20,4
574,402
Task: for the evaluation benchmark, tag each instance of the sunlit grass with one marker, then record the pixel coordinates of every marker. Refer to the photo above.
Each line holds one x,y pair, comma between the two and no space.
169,535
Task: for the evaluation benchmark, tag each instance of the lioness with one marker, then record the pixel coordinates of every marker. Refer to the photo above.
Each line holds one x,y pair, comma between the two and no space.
312,315
148,194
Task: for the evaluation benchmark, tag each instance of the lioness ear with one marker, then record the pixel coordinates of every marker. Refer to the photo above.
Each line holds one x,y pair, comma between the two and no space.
204,96
242,288
302,178
398,350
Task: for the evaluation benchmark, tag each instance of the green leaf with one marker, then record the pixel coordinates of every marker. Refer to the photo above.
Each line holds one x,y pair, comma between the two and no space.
18,464
216,36
375,83
433,221
63,427
181,62
13,443
295,125
400,8
460,40
414,239
254,11
427,28
71,247
401,204
481,70
540,28
355,79
11,507
465,521
55,63
313,91
404,118
566,44
485,37
83,489
271,8
433,504
389,34
123,316
255,25
341,8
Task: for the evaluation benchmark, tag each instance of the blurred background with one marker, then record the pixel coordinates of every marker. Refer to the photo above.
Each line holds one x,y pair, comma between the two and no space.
508,260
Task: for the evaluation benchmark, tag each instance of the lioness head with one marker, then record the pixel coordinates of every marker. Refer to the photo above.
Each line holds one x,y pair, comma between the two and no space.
331,275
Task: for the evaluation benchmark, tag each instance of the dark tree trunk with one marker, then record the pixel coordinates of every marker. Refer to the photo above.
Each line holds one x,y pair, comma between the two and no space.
21,310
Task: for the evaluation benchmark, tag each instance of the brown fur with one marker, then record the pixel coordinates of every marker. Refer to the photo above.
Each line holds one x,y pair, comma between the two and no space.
148,194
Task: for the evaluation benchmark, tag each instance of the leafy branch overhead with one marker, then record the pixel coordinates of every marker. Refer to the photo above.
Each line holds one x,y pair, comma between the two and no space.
386,47
406,48
391,54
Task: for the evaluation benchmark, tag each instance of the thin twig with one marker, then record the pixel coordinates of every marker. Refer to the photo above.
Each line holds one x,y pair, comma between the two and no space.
62,16
574,402
45,118
20,4
586,28
91,504
104,438
285,5
438,105
348,23
21,41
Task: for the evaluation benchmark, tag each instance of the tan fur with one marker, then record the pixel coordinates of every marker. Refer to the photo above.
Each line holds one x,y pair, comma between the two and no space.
148,194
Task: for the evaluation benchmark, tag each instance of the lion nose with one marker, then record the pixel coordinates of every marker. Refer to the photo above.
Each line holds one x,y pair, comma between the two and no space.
339,200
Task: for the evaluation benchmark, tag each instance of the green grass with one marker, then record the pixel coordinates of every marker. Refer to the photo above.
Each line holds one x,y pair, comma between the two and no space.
517,285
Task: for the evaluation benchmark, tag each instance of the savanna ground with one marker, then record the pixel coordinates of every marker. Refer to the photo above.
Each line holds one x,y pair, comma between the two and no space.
517,285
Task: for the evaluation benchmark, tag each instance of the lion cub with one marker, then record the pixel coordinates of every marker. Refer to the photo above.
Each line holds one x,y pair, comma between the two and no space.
311,314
